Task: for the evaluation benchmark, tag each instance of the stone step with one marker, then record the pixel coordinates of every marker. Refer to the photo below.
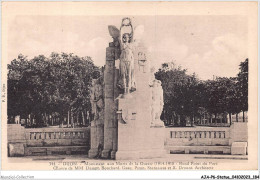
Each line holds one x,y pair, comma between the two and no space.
30,151
198,149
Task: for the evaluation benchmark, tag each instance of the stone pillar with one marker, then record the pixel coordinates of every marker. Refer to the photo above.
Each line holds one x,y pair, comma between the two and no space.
238,132
97,124
115,130
110,121
238,138
96,137
16,140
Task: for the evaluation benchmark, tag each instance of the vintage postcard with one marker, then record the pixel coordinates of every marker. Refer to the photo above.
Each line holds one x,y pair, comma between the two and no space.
131,86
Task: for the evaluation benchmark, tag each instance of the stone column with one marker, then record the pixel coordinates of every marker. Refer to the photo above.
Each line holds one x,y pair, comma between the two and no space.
115,130
110,121
16,140
96,137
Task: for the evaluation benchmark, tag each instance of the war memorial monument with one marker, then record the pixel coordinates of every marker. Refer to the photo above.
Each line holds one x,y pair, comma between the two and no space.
127,102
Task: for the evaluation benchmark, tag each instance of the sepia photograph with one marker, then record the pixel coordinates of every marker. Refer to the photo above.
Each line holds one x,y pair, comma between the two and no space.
130,86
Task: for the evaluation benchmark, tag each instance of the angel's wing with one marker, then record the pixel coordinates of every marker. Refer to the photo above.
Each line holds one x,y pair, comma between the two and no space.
113,31
138,33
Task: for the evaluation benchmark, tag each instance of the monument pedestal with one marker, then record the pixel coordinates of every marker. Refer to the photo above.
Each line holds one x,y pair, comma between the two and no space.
141,143
137,139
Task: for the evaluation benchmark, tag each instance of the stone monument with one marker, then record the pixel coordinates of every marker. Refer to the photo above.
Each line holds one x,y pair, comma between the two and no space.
97,123
133,101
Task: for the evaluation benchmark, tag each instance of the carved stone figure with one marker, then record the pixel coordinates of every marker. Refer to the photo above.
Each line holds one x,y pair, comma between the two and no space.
128,39
142,61
97,99
152,76
126,65
157,103
126,111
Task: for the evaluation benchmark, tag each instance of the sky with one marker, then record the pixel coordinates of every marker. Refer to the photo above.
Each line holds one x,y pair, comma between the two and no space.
207,45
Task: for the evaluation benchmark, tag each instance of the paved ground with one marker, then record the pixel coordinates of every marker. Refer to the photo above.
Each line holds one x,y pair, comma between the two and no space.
168,158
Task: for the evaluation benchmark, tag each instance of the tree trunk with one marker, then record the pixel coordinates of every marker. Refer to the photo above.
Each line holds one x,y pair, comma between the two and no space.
83,118
30,121
230,118
64,121
243,116
45,119
26,120
88,118
183,121
72,119
33,120
49,119
77,118
68,120
237,117
175,120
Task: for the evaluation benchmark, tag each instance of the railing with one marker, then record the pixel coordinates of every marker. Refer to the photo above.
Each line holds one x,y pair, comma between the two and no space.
197,136
57,136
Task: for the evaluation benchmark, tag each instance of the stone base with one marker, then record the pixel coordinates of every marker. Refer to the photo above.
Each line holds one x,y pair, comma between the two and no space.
106,154
140,143
16,149
92,153
154,153
127,155
157,124
113,155
133,155
238,148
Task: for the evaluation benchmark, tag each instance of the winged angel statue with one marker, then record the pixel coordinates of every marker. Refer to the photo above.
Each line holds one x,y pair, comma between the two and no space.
128,39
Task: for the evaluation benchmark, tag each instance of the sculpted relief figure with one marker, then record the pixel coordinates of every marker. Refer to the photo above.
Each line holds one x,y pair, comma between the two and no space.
157,103
97,99
126,65
142,61
128,41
